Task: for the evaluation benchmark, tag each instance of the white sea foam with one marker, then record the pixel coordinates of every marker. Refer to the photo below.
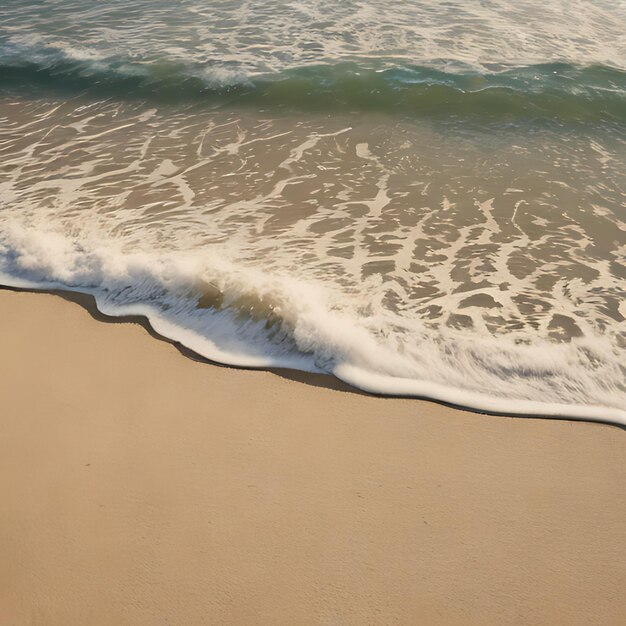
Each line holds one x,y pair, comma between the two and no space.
273,36
308,332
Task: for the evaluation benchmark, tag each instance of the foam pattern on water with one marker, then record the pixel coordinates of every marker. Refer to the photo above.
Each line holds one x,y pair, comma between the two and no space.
481,265
231,38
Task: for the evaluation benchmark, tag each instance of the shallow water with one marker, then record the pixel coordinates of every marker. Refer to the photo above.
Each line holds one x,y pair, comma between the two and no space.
317,194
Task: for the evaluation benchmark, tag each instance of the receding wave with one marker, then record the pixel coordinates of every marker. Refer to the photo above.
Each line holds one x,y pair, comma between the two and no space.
548,91
243,316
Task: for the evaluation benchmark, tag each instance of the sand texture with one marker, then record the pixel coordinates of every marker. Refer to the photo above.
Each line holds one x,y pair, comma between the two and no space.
142,487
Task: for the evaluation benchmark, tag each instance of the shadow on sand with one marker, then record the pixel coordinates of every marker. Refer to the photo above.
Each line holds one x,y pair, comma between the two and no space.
327,381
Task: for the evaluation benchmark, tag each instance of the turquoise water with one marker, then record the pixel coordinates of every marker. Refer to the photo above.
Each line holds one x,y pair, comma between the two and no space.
549,91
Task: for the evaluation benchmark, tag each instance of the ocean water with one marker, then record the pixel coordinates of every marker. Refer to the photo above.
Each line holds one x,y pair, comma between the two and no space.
421,198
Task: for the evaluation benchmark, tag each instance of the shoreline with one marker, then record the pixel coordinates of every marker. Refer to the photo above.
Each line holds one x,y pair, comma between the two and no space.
88,302
143,487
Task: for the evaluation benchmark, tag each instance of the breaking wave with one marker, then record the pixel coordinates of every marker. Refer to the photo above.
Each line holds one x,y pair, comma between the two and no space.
240,315
556,91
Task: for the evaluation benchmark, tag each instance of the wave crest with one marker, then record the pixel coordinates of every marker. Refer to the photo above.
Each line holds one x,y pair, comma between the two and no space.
549,91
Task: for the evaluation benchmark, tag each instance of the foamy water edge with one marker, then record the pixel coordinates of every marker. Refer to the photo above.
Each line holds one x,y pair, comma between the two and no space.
368,382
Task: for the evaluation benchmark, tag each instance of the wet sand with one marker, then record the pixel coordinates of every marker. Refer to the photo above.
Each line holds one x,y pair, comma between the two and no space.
142,487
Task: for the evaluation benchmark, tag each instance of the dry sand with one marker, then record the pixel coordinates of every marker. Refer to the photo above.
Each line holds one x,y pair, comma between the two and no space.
141,487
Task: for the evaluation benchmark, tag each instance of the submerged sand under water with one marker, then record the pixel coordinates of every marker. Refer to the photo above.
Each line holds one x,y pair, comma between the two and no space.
468,259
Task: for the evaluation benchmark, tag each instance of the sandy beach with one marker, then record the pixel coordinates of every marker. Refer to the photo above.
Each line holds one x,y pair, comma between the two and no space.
142,487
